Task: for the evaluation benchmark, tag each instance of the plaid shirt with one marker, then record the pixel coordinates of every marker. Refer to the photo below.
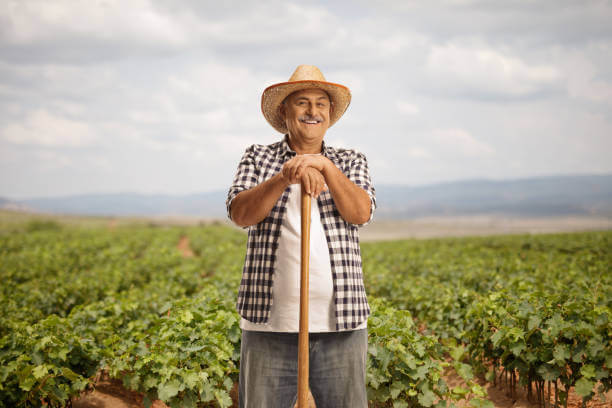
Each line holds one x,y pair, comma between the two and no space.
258,164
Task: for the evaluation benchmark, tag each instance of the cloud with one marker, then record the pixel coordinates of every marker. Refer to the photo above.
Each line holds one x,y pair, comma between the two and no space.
587,79
43,21
81,31
407,108
41,128
418,152
439,88
482,72
459,141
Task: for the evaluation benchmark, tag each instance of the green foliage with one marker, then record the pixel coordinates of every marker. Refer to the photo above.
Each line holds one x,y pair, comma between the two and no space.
42,225
402,364
78,301
538,306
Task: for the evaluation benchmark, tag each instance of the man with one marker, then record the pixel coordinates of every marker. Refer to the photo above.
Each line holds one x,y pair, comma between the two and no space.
265,197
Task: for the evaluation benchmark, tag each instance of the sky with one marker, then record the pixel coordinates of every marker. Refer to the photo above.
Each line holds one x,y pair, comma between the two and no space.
164,96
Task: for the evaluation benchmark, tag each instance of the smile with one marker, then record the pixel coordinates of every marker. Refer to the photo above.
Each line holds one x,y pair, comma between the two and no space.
311,121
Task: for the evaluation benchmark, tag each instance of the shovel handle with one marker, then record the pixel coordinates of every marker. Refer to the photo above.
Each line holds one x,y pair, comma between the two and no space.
304,280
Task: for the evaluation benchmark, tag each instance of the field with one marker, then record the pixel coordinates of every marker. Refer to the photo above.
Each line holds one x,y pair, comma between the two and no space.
85,299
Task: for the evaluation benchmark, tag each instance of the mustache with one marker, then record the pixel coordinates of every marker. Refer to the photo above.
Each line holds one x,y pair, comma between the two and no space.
310,117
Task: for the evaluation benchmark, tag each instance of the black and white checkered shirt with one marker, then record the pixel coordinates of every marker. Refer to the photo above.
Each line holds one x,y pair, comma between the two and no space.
258,164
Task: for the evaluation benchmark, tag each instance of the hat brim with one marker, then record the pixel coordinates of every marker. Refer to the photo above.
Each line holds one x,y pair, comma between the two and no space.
274,95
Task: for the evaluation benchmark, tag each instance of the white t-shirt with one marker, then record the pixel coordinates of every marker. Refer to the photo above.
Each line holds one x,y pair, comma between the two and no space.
285,309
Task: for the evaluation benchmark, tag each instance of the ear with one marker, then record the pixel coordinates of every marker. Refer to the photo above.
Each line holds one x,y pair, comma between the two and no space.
281,111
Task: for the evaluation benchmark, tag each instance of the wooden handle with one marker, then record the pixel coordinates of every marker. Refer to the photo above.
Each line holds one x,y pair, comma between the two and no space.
304,280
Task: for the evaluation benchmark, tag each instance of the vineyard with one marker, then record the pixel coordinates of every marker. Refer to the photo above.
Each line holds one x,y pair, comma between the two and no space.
529,312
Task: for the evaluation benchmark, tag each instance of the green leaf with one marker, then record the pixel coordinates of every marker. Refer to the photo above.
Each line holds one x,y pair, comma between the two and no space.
400,404
555,324
561,353
131,381
476,389
223,398
464,371
518,348
534,321
457,352
69,374
62,353
496,337
548,372
40,371
609,360
460,391
150,382
481,403
584,387
26,379
396,388
186,316
168,390
427,398
588,371
189,400
37,358
190,379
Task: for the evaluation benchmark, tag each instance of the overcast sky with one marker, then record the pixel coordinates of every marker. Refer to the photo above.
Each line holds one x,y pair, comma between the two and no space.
164,96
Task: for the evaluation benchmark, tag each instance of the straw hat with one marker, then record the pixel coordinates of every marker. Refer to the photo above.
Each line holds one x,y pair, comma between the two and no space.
304,77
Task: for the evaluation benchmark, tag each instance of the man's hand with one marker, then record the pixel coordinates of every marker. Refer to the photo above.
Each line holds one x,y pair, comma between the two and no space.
292,170
313,181
306,169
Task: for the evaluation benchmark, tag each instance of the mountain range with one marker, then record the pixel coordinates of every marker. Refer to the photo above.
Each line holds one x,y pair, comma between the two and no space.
583,195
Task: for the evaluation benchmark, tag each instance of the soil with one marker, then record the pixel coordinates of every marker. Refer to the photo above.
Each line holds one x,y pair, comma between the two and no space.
110,393
500,395
184,247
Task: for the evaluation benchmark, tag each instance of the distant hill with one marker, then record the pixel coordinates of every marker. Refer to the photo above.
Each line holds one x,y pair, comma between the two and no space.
210,204
542,196
7,204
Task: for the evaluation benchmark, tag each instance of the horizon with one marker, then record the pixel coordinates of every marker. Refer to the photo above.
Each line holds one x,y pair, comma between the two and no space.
384,185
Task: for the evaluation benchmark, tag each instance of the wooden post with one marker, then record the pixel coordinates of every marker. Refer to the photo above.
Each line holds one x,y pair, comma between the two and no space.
304,280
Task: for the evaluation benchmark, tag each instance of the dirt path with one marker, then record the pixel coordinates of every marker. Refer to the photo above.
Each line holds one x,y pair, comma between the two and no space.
110,393
184,248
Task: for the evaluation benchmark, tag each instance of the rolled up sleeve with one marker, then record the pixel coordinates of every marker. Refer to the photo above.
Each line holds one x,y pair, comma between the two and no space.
246,177
359,174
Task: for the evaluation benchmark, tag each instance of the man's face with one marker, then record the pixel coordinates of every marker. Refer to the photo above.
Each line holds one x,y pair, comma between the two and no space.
306,114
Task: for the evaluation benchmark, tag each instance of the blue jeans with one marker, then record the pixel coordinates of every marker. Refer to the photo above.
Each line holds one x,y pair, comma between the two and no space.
268,369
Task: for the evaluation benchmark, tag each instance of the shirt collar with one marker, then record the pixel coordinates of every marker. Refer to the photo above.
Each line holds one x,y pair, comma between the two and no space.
286,150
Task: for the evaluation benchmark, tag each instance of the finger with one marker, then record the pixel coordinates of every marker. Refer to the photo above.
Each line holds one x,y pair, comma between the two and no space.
306,183
315,184
299,170
293,170
322,186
